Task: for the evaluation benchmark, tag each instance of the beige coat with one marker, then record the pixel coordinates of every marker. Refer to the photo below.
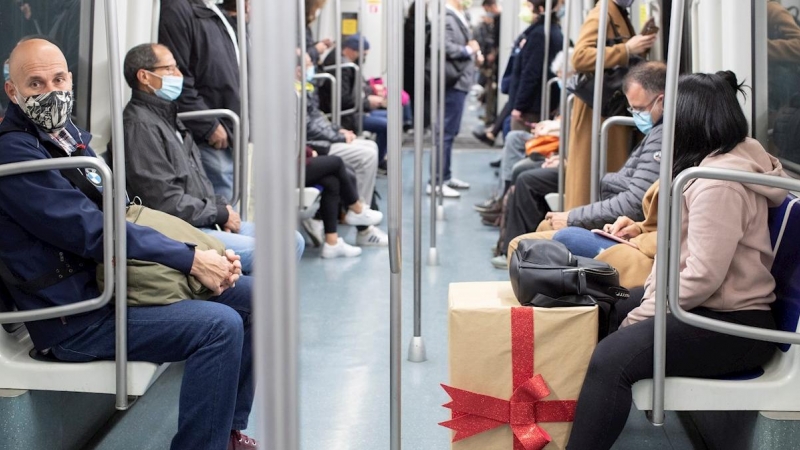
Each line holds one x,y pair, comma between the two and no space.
580,137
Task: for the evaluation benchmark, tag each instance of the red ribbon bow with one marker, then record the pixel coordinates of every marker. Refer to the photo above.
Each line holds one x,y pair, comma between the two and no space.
475,413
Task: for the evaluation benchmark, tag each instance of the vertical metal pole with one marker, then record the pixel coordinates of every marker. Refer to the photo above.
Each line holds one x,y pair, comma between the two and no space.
416,348
442,92
760,64
563,143
662,268
302,110
274,298
337,49
433,253
394,25
544,113
599,72
360,77
240,176
120,202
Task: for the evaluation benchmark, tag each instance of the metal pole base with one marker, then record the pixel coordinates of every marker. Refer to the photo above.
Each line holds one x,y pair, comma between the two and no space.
416,350
440,213
649,415
433,257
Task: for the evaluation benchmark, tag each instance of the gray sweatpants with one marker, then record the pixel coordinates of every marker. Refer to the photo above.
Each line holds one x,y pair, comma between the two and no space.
361,156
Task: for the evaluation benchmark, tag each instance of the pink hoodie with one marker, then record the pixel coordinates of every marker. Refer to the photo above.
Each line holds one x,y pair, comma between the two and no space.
726,255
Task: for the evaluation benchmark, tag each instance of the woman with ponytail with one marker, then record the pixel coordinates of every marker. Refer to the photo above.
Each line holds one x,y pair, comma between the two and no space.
726,257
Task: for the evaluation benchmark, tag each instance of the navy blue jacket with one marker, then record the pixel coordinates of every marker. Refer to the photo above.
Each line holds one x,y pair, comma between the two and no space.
43,219
528,66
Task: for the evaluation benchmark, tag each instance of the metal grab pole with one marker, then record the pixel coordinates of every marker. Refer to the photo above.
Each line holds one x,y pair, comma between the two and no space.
359,77
599,72
664,200
544,110
120,202
302,110
394,21
244,113
442,92
563,150
337,49
433,252
274,299
604,132
547,96
564,104
416,348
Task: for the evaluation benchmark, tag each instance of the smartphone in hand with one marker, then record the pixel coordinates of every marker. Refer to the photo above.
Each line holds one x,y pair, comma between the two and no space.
614,238
649,27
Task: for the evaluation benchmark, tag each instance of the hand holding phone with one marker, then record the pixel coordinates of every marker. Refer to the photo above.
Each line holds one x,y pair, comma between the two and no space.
649,27
614,238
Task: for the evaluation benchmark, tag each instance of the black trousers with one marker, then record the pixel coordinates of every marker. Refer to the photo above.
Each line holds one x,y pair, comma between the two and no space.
329,172
626,356
526,206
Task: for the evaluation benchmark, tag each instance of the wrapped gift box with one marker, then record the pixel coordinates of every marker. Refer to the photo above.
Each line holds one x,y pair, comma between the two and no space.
515,372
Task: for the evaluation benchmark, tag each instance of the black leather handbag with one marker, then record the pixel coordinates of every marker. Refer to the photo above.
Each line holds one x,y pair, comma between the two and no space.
545,274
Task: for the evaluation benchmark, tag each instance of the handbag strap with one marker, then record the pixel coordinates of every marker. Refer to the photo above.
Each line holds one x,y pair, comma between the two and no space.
77,178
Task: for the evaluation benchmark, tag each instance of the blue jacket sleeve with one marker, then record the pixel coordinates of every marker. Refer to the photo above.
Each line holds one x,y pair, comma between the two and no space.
55,212
529,83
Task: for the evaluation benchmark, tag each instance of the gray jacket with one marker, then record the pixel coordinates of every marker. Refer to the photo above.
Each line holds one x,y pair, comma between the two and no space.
622,192
164,172
458,60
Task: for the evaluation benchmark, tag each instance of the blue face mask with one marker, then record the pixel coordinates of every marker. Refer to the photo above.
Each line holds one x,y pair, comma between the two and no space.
6,72
311,72
561,13
643,121
171,87
624,3
560,83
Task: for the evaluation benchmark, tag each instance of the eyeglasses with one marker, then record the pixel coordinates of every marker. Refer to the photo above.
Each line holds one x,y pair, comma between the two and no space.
172,68
646,108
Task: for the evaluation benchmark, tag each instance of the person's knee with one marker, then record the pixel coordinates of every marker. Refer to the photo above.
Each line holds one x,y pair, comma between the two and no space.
225,326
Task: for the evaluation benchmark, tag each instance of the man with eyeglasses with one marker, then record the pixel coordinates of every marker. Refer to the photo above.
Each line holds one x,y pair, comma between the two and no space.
621,193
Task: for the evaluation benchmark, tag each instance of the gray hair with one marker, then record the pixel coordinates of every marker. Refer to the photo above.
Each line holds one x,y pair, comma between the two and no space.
651,75
140,57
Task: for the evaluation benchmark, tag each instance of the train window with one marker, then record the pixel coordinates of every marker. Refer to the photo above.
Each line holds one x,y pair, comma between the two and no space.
68,23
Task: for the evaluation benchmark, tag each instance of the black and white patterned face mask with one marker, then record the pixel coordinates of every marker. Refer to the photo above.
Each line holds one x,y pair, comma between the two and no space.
50,111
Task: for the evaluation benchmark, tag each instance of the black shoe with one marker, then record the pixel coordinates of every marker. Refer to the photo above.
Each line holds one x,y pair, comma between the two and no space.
489,222
483,138
495,164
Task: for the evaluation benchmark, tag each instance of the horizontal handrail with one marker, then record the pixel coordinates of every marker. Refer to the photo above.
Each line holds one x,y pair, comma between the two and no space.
602,165
74,162
674,252
238,151
547,99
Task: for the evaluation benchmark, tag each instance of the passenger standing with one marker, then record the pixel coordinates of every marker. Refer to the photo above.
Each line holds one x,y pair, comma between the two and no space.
725,262
462,53
580,134
205,47
315,49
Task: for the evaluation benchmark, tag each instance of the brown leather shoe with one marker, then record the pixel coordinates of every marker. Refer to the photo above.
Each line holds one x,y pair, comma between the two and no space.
241,441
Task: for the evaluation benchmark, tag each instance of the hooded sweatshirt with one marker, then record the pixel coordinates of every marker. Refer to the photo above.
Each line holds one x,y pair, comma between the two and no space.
726,254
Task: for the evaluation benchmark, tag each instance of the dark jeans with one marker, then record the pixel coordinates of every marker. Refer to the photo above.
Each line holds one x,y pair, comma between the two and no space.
330,172
453,111
626,356
527,207
376,122
213,337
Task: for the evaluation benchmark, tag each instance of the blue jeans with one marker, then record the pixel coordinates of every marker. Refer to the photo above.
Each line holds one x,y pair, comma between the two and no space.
243,243
453,111
213,337
582,242
219,168
377,122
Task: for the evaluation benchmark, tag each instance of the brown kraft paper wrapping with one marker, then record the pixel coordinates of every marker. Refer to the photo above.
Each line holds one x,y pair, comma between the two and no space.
481,358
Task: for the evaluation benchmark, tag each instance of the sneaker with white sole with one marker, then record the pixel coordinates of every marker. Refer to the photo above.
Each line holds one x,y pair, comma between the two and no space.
315,230
500,262
448,192
365,218
372,236
341,249
455,183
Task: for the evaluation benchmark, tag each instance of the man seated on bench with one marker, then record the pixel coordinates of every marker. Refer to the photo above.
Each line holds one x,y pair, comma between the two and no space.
49,225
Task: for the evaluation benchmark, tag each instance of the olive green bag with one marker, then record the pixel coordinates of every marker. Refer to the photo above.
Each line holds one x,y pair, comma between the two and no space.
151,283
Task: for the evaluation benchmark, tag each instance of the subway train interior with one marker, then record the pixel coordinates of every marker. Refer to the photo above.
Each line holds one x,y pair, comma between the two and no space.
452,247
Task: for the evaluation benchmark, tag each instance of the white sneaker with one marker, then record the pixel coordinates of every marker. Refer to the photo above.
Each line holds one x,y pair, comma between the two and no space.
455,183
315,230
447,191
341,249
366,218
372,236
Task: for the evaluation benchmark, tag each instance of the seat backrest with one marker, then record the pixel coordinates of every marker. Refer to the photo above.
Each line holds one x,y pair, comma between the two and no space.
784,226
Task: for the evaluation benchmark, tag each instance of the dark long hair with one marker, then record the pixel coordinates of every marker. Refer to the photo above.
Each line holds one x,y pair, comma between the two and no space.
709,119
543,4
